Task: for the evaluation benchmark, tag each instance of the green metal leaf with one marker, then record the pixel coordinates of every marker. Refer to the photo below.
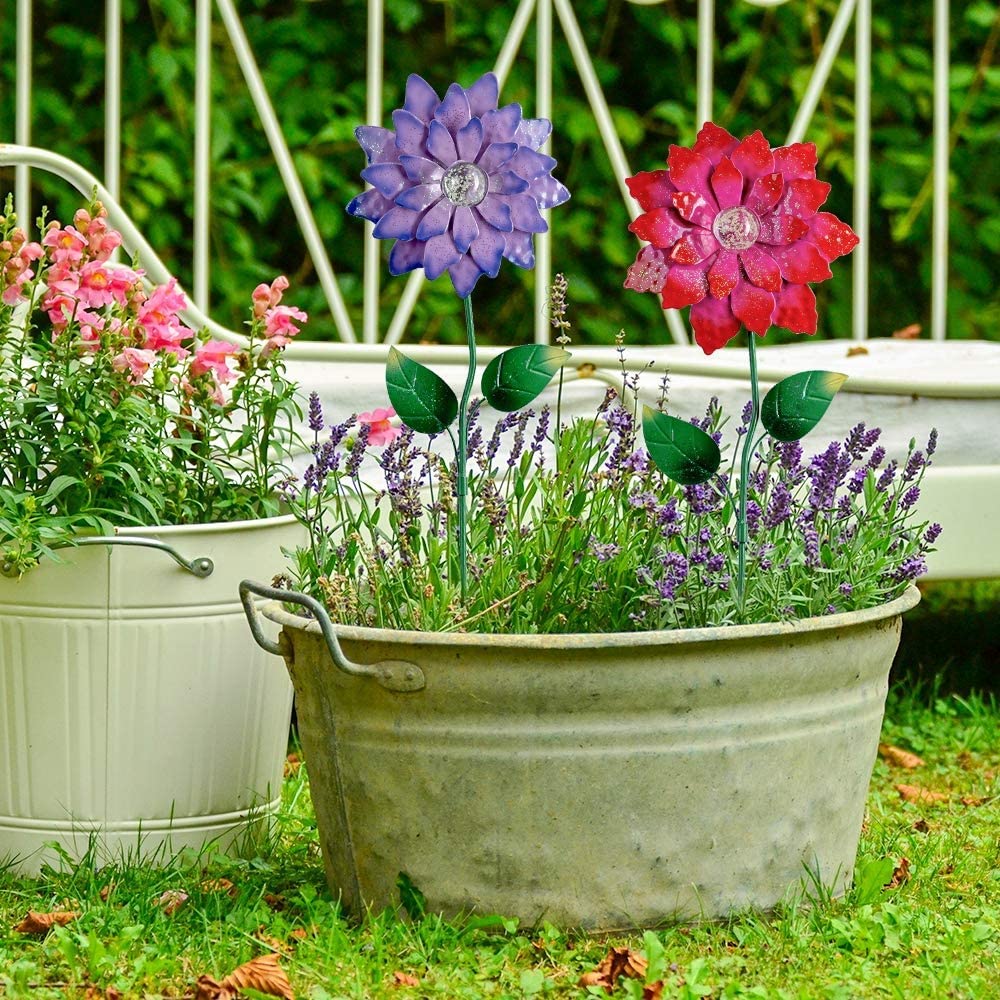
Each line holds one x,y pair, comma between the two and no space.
680,450
422,399
516,377
796,404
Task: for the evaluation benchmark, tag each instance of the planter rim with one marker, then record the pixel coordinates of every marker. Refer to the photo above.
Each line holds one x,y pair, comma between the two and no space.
205,527
606,640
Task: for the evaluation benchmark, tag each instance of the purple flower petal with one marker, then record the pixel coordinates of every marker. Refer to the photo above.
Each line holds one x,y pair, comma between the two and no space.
405,256
548,192
435,222
440,253
507,182
520,249
371,206
529,164
496,155
378,143
464,276
525,215
397,224
420,197
411,133
440,144
464,228
483,94
421,170
488,249
469,141
387,178
501,124
532,132
496,213
454,111
421,98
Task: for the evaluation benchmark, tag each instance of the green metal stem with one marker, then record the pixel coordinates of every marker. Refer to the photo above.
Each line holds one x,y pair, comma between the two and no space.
462,484
748,447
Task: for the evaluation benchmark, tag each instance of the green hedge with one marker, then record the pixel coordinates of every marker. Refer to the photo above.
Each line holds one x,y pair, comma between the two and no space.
312,55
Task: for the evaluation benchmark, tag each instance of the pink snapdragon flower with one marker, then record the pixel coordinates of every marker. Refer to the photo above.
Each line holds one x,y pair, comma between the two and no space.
159,322
100,285
16,258
380,429
134,360
213,356
66,246
279,326
268,296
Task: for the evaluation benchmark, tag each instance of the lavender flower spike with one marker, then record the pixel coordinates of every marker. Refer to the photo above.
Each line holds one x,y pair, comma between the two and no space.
458,183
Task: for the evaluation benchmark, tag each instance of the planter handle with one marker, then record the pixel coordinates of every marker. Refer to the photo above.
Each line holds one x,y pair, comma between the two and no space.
200,566
395,675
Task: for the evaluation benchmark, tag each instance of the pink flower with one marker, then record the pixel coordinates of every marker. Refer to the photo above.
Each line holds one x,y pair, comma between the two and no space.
380,430
158,320
67,245
135,361
213,356
278,325
100,285
268,296
736,233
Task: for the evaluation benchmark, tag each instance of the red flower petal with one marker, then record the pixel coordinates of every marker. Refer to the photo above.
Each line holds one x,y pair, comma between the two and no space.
648,271
797,161
651,188
684,286
830,236
690,171
779,230
765,193
803,198
714,142
796,309
761,269
727,183
801,262
752,306
661,226
693,207
694,246
723,274
753,157
714,324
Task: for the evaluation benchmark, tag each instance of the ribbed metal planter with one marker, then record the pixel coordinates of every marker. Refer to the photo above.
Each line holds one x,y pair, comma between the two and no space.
596,780
134,707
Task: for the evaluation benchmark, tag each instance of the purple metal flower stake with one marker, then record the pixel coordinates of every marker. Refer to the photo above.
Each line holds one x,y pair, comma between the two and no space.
458,184
735,232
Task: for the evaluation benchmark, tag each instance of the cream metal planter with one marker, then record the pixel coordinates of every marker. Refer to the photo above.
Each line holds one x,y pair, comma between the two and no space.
596,780
135,711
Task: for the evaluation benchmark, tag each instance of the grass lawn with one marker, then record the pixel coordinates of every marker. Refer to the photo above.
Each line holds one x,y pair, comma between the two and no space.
924,927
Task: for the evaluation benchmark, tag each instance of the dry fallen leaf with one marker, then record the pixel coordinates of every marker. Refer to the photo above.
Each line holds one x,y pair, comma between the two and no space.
42,923
262,974
914,793
172,900
900,874
654,991
106,891
910,332
292,764
404,979
899,757
922,826
853,352
617,963
219,885
974,800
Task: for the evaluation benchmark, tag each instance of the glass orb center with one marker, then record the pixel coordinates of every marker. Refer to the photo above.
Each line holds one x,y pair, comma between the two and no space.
736,228
465,184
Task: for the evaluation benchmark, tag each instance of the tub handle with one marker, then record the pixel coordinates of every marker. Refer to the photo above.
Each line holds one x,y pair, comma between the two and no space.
395,675
200,566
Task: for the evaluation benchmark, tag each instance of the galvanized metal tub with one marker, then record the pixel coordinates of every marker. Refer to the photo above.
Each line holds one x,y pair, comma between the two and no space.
603,780
137,716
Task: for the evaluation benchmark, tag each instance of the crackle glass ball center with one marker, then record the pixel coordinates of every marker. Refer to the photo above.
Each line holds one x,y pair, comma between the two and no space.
465,184
736,228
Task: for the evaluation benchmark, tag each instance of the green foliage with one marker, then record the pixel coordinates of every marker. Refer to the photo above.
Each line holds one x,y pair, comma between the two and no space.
312,57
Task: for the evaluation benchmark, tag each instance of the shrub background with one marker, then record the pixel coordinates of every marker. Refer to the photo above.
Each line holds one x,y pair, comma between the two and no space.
312,57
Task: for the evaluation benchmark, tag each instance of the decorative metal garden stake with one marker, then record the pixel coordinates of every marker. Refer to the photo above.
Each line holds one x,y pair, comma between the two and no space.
458,184
735,232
